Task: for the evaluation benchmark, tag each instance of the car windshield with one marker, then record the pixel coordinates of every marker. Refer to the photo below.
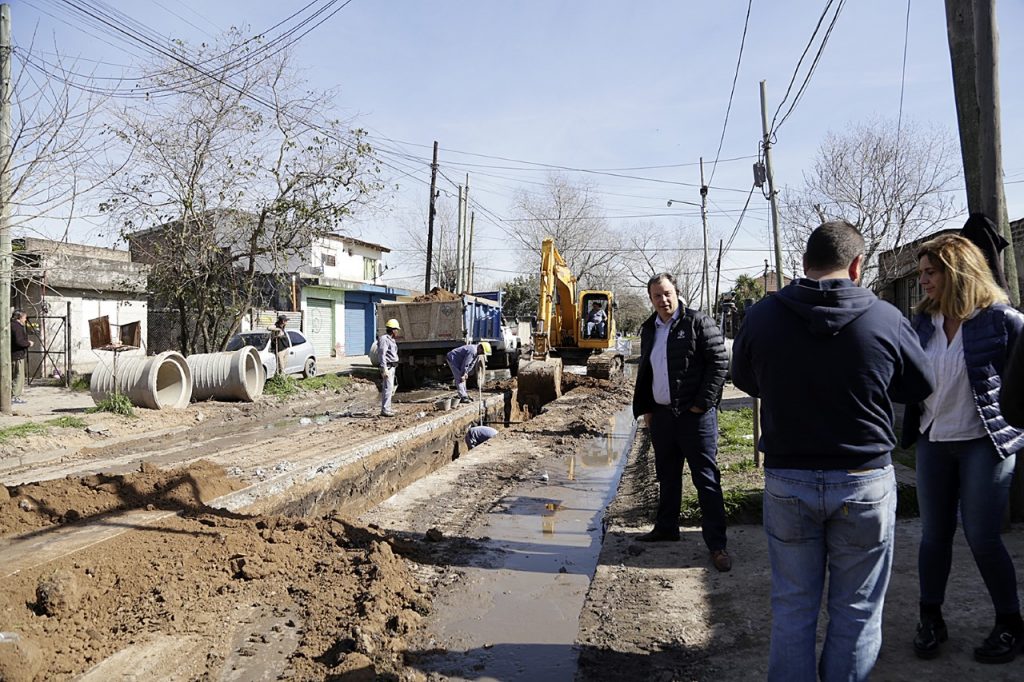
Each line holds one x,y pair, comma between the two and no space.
257,339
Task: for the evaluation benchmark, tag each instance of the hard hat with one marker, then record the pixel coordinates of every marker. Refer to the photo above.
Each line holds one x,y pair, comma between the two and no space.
392,324
487,347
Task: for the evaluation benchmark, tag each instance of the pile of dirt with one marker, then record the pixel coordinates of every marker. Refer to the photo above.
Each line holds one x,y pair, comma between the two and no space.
31,506
341,594
436,294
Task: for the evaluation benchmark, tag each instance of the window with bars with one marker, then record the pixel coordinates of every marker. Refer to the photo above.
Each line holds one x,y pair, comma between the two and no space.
369,269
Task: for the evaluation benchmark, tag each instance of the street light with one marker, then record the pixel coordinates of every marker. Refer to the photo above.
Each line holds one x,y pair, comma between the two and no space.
680,201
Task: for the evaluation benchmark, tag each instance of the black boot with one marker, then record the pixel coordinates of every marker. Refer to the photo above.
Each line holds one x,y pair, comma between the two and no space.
931,633
1003,643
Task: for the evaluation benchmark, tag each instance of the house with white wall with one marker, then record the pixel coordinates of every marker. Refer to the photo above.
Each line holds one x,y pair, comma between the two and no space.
338,289
61,286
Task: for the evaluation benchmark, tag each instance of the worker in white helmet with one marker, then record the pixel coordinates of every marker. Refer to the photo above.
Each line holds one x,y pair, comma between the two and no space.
387,351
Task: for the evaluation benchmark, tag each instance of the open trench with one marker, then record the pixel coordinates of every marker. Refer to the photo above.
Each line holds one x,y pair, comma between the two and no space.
516,524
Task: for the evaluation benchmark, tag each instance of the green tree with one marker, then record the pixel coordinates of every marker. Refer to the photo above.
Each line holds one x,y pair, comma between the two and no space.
747,287
520,298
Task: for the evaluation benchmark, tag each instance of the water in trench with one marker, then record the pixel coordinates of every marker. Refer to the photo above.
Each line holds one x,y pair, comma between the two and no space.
516,615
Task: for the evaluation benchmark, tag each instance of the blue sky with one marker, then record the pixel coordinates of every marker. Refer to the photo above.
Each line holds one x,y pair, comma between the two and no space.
595,84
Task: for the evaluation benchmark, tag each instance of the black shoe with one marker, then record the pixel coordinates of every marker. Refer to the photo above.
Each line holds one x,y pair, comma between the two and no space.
465,400
930,635
658,536
1001,646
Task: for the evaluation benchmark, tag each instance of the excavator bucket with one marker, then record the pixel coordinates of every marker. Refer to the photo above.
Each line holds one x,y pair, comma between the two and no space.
540,382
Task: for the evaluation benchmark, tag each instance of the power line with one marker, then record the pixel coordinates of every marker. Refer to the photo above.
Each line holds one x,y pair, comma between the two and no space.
732,91
773,128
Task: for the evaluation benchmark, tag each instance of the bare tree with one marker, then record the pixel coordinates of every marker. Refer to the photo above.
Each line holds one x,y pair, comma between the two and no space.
649,249
569,213
894,185
54,141
231,176
443,253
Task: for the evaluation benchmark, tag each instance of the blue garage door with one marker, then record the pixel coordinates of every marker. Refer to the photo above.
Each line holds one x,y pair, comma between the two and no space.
355,328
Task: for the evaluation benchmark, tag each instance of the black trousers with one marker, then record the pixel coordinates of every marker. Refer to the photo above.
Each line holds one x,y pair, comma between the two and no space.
692,439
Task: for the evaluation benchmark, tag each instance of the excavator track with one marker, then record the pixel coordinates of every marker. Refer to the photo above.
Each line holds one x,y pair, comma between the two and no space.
604,366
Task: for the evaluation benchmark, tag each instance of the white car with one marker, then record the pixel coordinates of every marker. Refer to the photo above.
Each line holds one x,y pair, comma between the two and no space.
301,357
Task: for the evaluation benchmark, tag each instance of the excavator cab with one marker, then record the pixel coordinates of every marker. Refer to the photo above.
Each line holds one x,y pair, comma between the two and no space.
596,323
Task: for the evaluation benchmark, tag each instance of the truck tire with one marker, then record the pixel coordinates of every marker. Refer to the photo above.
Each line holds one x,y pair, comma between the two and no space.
408,377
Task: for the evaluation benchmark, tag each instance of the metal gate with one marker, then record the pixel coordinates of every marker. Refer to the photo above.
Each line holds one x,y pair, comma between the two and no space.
355,328
54,349
319,324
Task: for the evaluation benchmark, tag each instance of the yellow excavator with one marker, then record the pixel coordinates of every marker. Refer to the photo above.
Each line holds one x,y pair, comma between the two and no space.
573,327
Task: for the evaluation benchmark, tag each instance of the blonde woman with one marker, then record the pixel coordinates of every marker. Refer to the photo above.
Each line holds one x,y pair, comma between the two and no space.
965,448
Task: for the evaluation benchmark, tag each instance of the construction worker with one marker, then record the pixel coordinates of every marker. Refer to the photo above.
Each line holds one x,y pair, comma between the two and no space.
478,435
387,351
280,343
463,361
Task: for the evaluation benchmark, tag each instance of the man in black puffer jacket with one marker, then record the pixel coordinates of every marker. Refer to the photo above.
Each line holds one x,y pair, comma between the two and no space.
683,364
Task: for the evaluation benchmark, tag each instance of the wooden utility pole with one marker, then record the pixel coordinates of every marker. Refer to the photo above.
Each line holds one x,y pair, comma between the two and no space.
705,288
458,241
973,50
465,237
5,209
772,197
718,273
469,258
431,211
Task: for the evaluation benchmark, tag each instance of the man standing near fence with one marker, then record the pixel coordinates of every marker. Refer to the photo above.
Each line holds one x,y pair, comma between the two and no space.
828,358
20,343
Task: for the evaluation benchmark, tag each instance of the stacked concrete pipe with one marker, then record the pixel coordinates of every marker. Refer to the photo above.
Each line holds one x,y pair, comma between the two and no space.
157,382
232,375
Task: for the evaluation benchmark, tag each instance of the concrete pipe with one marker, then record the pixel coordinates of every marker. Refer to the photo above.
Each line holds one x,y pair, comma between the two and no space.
232,375
157,382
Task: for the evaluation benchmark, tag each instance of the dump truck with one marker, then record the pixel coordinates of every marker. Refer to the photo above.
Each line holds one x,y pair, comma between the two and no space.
439,321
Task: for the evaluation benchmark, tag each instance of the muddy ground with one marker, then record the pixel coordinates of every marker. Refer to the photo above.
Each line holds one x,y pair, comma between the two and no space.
202,593
661,612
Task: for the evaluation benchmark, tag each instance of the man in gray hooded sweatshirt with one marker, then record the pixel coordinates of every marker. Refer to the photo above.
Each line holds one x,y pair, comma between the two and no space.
828,358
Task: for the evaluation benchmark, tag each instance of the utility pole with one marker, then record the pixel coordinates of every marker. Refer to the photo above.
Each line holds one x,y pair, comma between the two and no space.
767,144
458,242
993,197
430,220
973,49
465,237
469,259
5,209
705,289
718,273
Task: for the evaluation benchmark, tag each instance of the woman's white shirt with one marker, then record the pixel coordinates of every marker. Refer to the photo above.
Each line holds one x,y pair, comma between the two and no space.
950,410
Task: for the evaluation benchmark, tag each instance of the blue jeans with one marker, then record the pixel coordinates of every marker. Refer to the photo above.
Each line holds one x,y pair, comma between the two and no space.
971,473
843,522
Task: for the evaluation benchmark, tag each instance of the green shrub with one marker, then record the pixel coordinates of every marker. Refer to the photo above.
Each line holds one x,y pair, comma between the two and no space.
117,404
80,382
10,433
281,385
330,382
